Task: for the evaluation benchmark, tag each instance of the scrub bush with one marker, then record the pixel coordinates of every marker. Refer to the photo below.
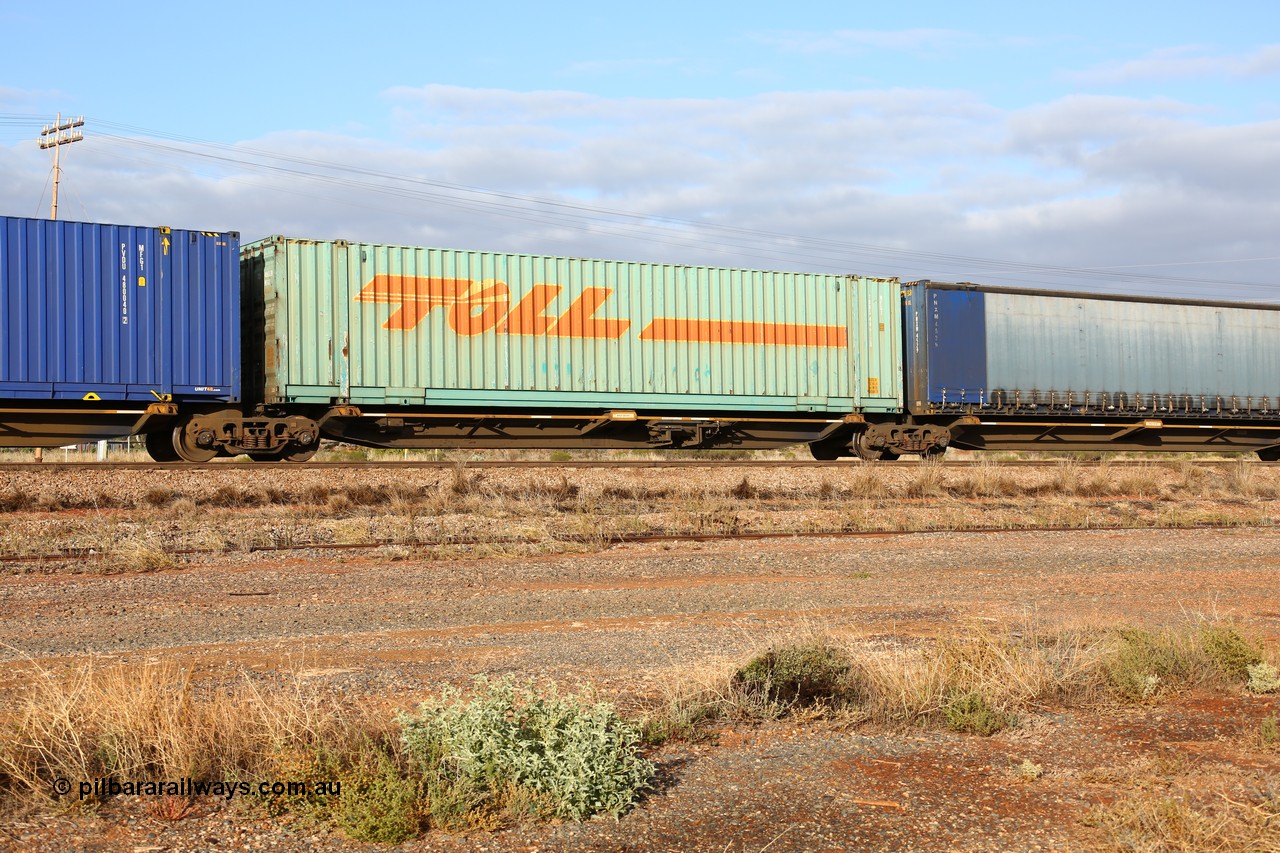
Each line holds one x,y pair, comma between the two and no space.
804,675
565,757
379,802
972,713
1143,662
1263,678
1231,652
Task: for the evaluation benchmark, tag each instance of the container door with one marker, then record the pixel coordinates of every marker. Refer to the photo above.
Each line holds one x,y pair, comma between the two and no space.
141,320
118,353
854,297
873,343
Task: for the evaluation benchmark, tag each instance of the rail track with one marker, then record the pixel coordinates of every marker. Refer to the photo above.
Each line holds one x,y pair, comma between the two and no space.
587,464
607,540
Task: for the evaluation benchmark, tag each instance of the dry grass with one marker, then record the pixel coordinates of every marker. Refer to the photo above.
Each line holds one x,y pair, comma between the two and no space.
1174,480
463,503
1171,805
987,480
136,555
154,722
866,482
929,481
1245,480
385,778
977,679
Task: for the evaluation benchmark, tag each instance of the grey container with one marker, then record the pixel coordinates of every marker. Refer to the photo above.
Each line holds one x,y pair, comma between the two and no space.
993,346
1137,347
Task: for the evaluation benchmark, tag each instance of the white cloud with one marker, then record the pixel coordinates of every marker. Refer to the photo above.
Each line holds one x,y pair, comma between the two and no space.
1180,62
1081,181
1135,143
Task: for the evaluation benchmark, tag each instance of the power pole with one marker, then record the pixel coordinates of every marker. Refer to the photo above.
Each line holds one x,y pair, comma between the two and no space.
55,136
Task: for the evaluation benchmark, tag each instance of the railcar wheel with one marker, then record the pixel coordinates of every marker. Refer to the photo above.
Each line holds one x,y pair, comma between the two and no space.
160,446
871,454
932,453
186,448
300,452
1270,454
826,451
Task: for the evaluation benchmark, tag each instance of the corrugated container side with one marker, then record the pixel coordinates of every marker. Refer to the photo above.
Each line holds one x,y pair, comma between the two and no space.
945,352
1109,345
117,312
391,325
1040,344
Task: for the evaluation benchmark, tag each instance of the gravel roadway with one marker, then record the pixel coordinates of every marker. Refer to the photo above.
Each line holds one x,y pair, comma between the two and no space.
632,610
634,619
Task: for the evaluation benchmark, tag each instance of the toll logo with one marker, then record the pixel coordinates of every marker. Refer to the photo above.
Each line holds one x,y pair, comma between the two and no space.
475,307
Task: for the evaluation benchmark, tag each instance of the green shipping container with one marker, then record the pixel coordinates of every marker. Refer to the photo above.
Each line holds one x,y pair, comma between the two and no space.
397,326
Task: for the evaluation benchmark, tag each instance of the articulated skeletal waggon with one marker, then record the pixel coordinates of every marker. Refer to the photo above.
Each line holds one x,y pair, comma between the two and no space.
208,348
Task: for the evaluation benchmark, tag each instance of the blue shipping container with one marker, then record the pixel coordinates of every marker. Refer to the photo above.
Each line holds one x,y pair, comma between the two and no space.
118,312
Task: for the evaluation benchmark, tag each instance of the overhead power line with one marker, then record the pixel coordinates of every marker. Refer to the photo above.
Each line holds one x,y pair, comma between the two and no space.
668,230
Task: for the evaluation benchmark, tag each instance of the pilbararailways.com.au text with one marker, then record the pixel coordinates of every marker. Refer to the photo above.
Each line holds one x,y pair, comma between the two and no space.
227,790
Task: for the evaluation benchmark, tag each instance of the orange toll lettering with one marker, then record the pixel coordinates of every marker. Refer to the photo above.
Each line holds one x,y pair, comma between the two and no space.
418,296
737,332
479,311
529,316
475,307
580,321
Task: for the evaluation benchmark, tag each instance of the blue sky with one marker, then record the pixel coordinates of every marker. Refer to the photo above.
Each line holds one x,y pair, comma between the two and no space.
925,140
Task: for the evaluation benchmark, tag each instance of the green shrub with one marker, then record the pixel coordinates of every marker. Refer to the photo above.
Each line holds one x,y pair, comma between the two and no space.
1143,662
1263,678
564,755
684,718
378,802
1230,651
1029,770
797,675
1269,731
972,713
